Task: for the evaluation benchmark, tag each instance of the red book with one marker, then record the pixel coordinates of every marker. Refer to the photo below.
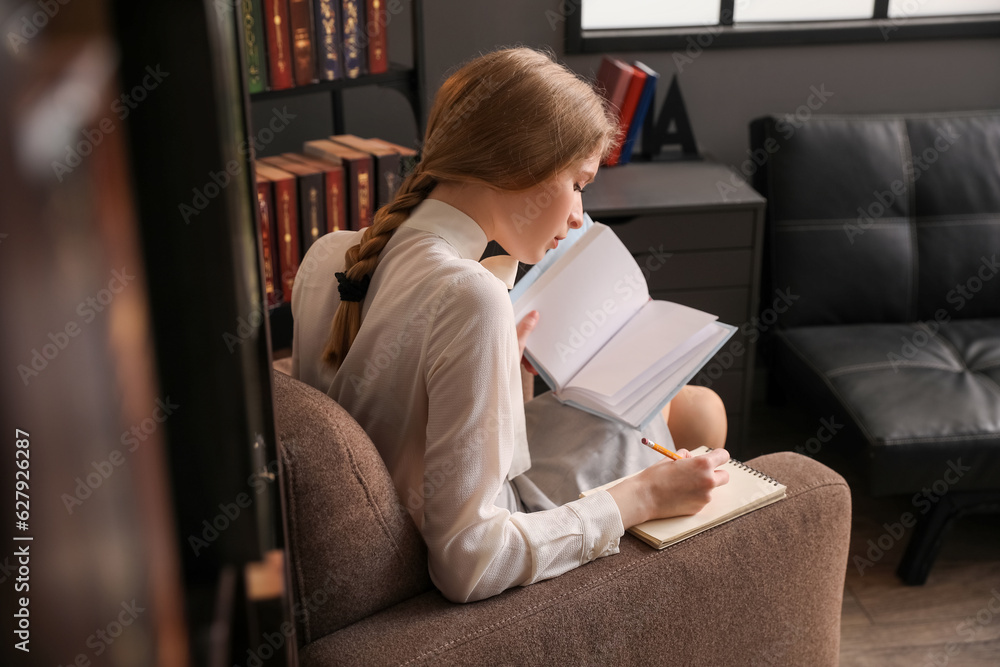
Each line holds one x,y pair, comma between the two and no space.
336,200
303,52
632,96
358,172
613,79
378,53
287,222
279,44
265,204
312,198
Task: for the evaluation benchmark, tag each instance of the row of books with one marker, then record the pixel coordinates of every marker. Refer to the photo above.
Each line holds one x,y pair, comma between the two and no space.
292,43
630,89
335,183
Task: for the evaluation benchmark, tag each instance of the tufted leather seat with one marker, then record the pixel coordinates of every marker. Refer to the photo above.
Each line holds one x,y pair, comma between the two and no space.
887,231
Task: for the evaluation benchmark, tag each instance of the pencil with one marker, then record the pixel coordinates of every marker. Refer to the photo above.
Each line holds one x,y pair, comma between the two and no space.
661,449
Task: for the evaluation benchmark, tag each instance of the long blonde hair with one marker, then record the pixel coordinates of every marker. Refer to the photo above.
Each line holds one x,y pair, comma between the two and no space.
509,119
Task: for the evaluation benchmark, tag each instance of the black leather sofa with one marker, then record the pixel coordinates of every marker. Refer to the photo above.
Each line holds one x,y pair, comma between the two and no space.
887,229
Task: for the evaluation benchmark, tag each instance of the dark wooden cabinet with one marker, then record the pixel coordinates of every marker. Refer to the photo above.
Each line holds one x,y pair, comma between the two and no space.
695,228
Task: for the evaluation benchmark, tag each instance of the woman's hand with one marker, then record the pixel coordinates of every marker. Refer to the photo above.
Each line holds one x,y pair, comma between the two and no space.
524,328
670,488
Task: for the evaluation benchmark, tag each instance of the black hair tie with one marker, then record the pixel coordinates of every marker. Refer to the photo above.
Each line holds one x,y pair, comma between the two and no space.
352,290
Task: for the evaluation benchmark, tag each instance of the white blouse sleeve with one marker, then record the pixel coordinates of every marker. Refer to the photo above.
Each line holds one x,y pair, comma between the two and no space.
475,406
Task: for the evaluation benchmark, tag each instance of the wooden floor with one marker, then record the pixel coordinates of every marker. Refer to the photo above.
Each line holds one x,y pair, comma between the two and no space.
954,619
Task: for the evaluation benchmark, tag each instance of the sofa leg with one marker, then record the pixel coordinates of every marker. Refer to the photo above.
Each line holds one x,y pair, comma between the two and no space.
925,544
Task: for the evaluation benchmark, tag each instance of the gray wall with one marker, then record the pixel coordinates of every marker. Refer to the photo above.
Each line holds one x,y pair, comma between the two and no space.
723,89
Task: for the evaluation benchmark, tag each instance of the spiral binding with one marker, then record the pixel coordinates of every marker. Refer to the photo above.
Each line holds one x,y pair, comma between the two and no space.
754,472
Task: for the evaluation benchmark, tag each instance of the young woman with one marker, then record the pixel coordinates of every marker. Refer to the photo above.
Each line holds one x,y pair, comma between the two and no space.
416,339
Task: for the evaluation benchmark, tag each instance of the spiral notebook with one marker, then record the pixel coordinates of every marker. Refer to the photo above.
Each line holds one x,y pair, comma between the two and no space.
747,490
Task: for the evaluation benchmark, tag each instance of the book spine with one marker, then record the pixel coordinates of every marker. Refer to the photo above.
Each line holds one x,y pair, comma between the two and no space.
351,24
328,40
287,216
375,29
365,193
253,45
635,88
300,15
279,54
645,103
264,206
336,202
311,214
389,178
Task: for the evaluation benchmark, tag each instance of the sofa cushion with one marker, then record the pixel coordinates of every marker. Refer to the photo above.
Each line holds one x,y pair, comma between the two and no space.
354,549
924,396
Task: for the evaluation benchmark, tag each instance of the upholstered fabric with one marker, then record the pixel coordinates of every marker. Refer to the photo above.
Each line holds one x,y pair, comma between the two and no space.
886,229
763,589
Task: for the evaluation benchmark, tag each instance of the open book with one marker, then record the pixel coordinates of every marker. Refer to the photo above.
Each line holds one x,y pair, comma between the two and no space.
601,343
747,490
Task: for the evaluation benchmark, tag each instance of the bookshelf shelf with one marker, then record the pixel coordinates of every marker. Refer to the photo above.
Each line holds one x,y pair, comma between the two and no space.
398,77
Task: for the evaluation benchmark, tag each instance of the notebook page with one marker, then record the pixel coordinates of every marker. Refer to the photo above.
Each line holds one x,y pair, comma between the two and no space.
583,299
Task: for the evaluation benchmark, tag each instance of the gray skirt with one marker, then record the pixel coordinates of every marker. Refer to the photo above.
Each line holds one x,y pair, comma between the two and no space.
572,451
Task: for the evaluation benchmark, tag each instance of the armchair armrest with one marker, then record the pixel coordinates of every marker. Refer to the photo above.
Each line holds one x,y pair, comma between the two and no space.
763,589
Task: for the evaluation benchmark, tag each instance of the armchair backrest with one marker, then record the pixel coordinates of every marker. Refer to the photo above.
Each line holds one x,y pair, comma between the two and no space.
354,550
881,218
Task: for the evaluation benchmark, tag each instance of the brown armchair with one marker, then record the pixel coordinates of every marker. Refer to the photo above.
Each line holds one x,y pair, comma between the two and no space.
763,589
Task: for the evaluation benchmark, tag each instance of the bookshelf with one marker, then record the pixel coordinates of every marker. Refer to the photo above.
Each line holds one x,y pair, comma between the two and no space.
407,81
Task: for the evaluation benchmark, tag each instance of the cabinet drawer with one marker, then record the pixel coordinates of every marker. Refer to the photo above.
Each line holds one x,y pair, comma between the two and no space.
683,231
695,270
731,305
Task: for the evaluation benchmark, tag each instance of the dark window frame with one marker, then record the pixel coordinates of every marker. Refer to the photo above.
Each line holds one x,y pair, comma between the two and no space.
880,28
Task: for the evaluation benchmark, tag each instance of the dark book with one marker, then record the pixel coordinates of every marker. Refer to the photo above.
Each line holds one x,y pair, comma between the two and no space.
252,34
268,234
279,44
408,157
353,25
358,177
376,20
632,95
303,50
311,191
335,203
286,217
641,111
613,78
327,18
386,164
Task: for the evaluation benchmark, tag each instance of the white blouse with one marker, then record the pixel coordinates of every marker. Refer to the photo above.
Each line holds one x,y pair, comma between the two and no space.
433,377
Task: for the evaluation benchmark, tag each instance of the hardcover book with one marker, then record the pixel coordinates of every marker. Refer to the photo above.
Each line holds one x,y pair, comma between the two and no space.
408,157
353,26
328,40
265,204
358,176
310,188
304,55
375,28
635,87
386,163
641,111
279,44
287,222
335,202
252,34
601,342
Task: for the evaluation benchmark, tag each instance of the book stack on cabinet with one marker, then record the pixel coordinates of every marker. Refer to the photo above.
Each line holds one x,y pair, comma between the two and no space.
695,229
290,43
333,184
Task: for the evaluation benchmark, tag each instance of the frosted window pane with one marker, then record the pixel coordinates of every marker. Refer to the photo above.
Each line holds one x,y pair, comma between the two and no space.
615,14
907,8
803,10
